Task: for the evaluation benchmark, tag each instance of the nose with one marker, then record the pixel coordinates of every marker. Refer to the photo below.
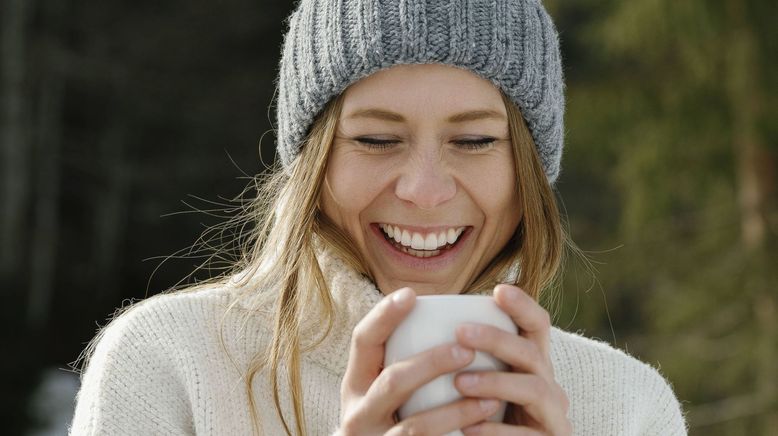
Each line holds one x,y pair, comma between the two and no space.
426,182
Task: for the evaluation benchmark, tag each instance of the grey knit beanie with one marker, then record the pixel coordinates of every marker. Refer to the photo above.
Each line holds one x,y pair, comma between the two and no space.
334,43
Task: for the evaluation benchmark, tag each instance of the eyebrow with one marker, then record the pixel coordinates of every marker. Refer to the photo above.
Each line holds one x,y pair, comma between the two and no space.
386,115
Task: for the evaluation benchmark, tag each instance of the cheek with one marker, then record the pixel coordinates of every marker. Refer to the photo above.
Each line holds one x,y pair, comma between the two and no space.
501,209
351,188
493,188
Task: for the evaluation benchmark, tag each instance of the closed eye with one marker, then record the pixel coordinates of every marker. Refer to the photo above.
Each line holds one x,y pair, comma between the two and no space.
376,144
467,144
475,144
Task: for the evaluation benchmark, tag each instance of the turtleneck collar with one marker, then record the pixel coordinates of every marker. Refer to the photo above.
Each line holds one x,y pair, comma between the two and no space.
353,296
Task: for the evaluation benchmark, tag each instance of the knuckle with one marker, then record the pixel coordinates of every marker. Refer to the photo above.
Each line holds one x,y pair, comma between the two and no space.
538,387
359,336
348,394
412,427
441,358
390,381
347,388
544,319
349,423
490,335
533,352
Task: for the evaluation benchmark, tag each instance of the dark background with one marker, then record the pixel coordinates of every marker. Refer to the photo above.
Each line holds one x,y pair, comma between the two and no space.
118,115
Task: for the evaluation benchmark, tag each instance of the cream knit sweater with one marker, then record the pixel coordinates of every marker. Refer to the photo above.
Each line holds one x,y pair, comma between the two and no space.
160,369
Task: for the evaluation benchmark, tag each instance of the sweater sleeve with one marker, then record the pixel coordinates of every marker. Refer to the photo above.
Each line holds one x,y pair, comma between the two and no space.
664,416
131,386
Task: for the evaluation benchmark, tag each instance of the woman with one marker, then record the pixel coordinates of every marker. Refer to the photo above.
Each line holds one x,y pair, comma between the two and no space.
419,144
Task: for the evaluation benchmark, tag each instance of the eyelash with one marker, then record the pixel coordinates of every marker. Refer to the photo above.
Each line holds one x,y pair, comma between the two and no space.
469,144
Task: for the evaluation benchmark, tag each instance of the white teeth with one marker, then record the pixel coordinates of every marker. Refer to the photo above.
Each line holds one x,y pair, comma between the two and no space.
406,238
422,253
431,242
417,242
422,245
451,236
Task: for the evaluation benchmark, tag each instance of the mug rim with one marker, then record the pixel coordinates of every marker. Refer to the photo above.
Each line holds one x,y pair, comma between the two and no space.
451,296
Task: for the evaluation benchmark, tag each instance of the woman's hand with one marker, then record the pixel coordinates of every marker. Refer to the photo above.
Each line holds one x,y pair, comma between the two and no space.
537,404
370,394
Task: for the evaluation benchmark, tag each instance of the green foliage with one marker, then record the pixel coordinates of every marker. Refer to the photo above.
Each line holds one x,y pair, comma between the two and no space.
652,181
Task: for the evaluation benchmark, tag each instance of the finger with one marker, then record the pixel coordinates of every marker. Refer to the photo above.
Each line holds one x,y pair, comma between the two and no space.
448,418
533,321
518,352
399,381
366,357
500,429
539,399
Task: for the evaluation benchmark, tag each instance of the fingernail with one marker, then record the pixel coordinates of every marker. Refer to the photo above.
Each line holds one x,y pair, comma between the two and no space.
401,297
468,380
470,331
510,292
461,354
489,406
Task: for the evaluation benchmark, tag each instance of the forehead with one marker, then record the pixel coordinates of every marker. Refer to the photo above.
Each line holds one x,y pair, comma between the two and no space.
423,88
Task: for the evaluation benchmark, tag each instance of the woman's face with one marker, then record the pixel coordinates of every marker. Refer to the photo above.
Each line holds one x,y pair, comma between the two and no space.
421,176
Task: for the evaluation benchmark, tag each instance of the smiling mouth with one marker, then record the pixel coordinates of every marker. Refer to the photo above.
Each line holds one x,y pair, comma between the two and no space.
421,245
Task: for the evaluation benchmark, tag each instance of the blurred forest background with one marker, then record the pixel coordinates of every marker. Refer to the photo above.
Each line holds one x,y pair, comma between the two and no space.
116,115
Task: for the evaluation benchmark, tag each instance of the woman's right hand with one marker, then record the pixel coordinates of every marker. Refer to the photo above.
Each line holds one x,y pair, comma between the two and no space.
370,394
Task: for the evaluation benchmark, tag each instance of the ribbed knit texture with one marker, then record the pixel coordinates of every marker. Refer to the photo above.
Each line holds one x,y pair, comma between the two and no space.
333,43
160,370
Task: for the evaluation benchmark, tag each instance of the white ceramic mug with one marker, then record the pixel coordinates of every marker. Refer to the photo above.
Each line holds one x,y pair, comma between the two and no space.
433,321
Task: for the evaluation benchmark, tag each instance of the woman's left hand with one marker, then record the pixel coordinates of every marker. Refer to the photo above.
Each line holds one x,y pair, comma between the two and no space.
537,404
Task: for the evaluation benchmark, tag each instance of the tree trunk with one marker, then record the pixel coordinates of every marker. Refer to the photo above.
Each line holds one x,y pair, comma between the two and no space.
754,163
767,353
15,147
755,172
45,234
110,210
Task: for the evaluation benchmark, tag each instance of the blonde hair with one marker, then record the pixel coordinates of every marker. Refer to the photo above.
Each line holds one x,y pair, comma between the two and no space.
279,249
291,216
